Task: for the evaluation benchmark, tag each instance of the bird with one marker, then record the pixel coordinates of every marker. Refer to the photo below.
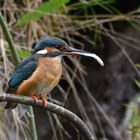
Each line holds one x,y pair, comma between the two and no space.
38,74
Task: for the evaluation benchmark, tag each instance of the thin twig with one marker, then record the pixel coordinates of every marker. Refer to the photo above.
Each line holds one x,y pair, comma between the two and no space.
9,39
71,117
33,132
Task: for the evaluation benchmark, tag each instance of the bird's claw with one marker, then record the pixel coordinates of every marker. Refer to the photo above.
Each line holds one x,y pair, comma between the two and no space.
35,99
44,102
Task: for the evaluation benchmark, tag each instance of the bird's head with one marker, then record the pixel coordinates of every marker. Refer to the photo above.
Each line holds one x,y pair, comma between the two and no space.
56,47
50,44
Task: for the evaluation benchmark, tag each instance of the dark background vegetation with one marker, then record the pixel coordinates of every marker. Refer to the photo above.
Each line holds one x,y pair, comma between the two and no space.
106,98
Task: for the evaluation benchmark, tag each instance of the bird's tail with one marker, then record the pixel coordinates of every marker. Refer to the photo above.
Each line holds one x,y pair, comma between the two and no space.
11,105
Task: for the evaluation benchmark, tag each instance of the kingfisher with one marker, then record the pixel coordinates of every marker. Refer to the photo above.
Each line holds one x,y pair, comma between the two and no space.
39,73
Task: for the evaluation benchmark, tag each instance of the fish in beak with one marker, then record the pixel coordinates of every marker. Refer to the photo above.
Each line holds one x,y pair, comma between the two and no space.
73,51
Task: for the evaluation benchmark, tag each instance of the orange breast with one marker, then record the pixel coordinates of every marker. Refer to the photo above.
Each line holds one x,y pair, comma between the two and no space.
44,79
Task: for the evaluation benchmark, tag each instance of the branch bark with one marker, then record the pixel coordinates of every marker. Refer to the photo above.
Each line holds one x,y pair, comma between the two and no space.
71,117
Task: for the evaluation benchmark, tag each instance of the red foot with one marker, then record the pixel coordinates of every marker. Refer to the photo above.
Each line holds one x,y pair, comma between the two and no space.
35,99
44,101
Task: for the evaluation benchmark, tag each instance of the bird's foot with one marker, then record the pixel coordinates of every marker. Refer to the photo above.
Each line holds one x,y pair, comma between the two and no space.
35,99
44,102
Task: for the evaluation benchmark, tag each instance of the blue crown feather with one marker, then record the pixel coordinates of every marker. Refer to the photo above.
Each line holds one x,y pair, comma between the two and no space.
49,42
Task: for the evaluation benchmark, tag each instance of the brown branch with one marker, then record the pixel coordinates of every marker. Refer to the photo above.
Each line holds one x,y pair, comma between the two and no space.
71,117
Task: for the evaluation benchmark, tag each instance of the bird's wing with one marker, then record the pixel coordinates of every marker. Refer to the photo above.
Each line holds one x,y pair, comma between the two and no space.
23,71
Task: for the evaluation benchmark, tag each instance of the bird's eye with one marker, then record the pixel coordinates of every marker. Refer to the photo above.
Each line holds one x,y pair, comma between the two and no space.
57,47
63,48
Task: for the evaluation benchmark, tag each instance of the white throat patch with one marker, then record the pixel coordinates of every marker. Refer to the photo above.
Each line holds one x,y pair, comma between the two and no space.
42,52
58,57
45,52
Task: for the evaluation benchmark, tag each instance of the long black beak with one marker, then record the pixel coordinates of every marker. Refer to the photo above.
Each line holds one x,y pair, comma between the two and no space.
73,51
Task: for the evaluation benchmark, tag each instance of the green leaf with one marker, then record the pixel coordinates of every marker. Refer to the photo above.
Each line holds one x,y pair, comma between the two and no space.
23,53
137,83
134,114
46,7
138,65
138,10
